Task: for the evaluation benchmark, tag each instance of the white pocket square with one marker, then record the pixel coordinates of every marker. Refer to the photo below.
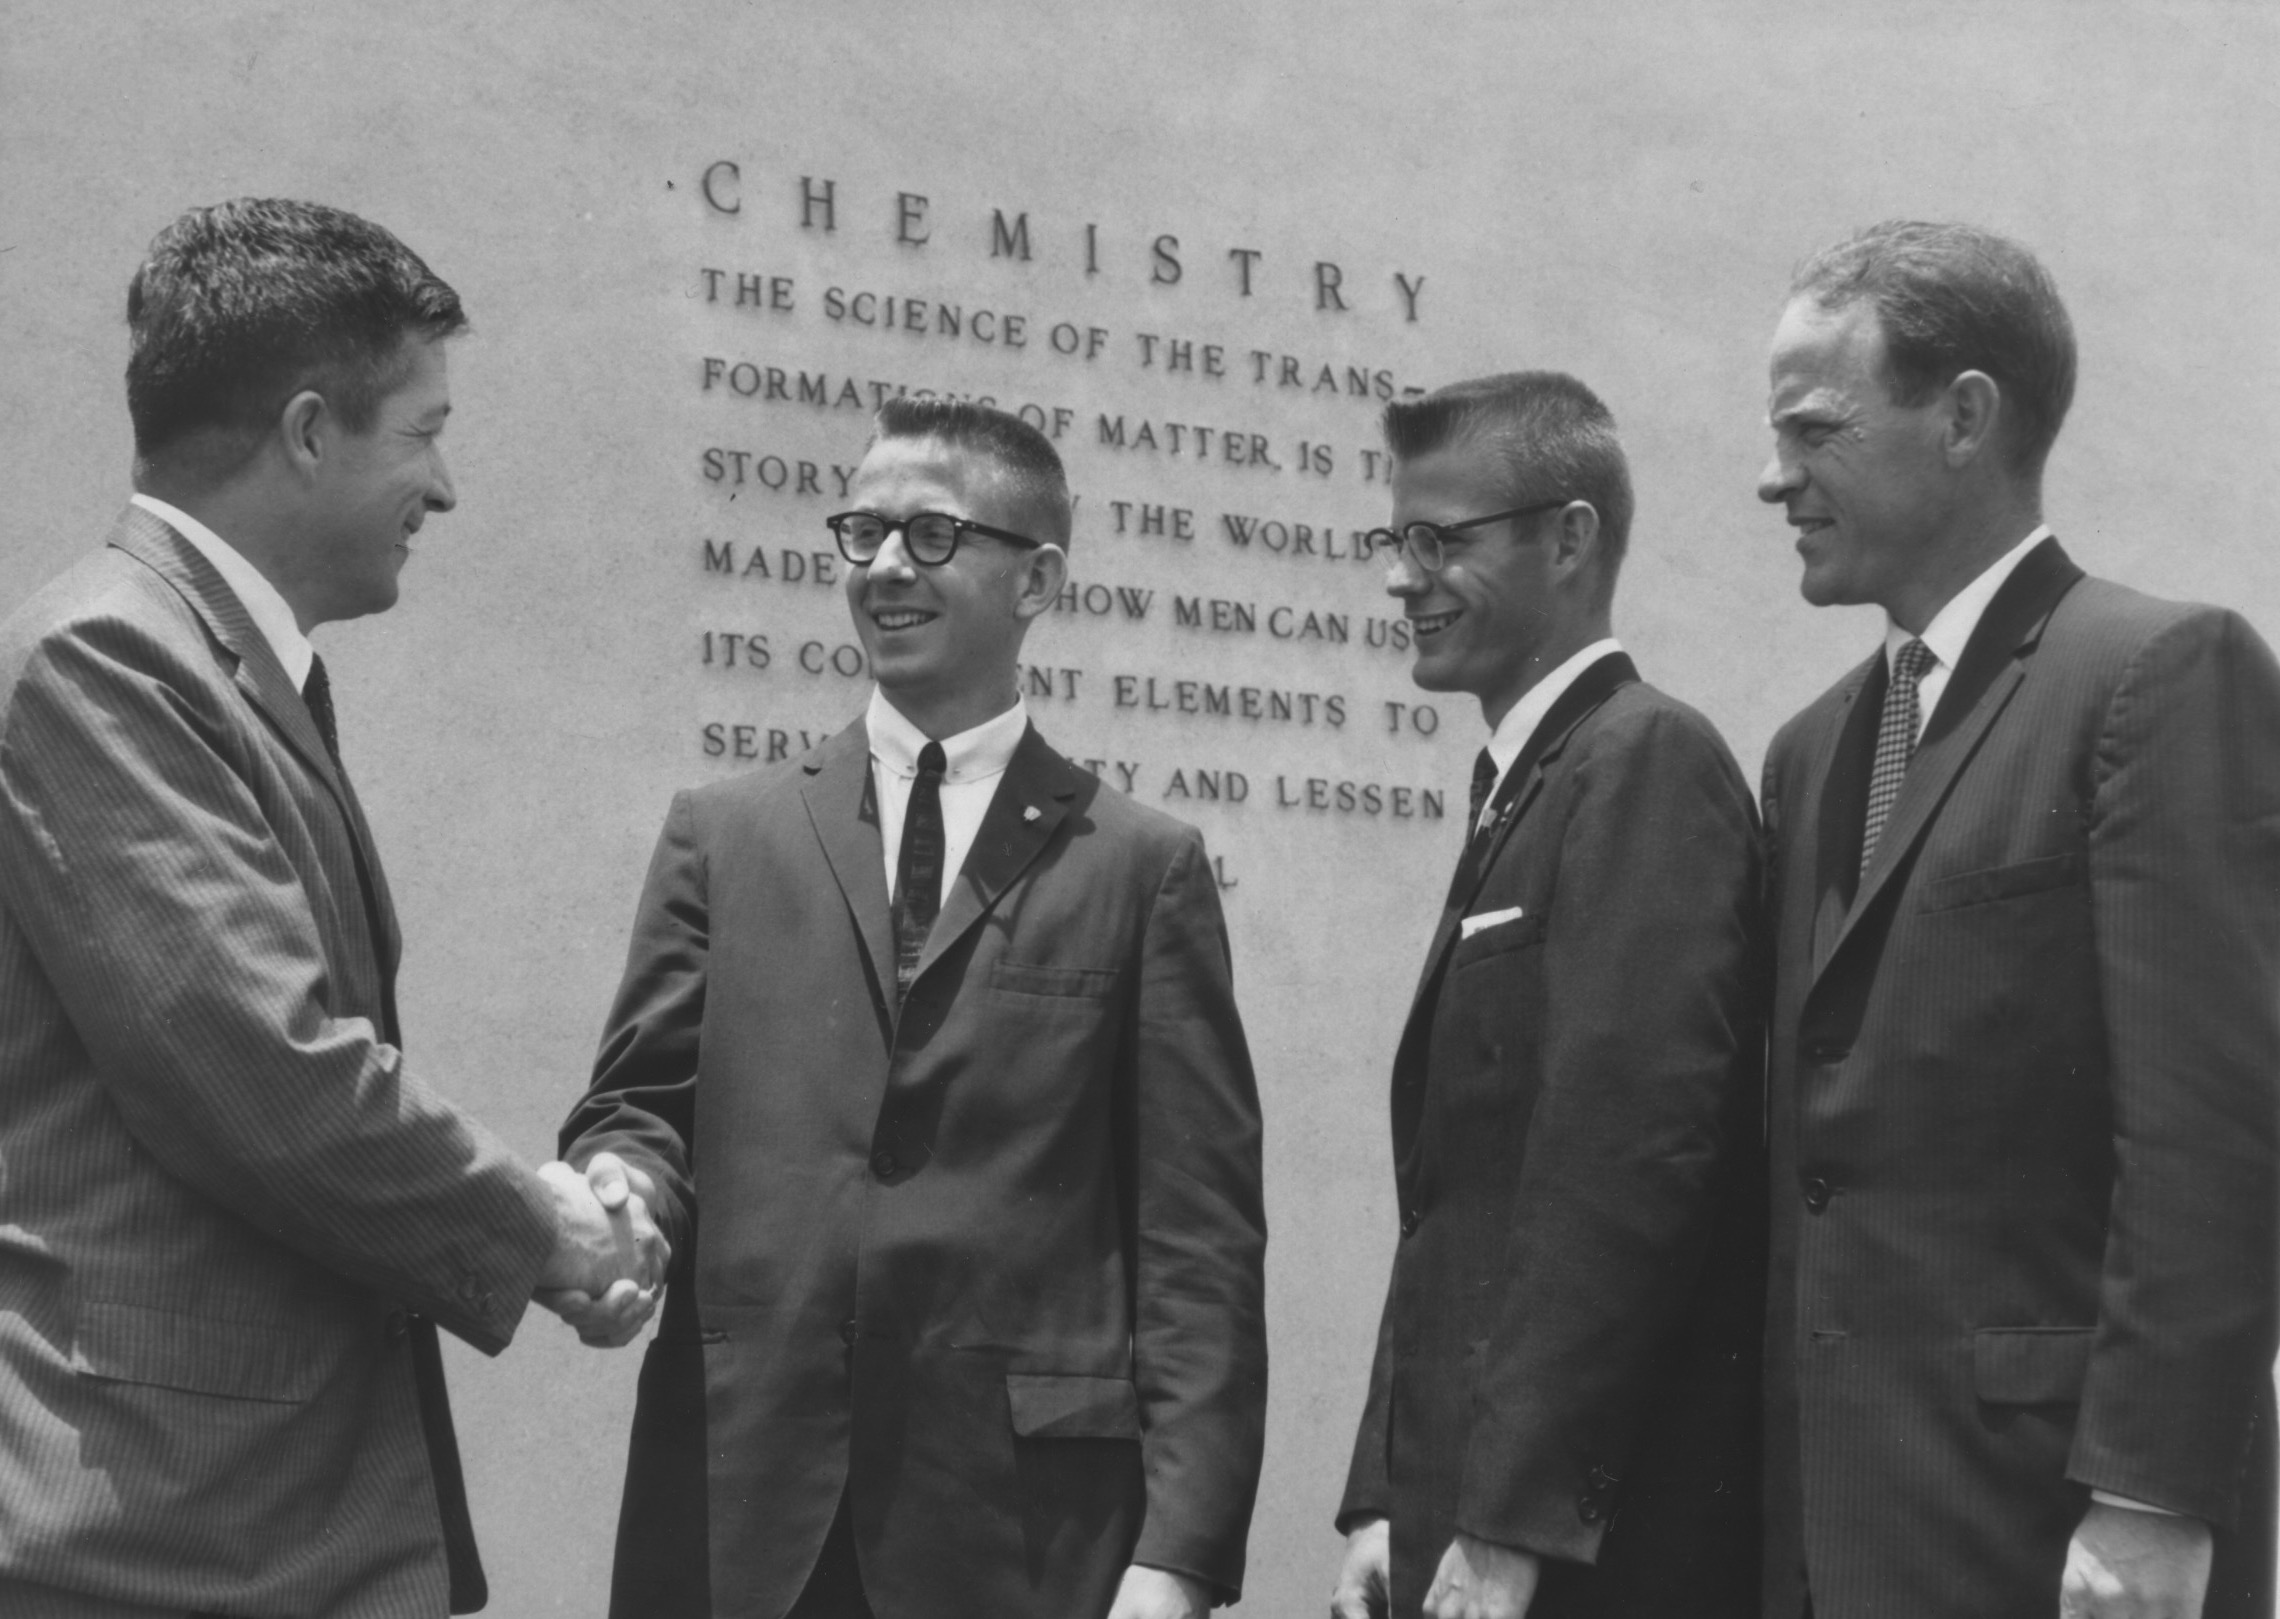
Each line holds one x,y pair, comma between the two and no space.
1487,919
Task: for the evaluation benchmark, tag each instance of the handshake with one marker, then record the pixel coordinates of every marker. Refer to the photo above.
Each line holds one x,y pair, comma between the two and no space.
608,1269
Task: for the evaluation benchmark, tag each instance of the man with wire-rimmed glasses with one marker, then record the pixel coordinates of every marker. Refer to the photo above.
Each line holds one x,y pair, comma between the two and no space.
938,1034
1560,1418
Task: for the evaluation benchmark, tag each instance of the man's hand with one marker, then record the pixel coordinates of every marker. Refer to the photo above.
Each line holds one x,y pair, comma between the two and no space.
1363,1587
608,1269
2124,1564
1158,1593
1481,1580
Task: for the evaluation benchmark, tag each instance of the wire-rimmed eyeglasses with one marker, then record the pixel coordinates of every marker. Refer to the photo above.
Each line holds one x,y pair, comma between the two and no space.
1427,542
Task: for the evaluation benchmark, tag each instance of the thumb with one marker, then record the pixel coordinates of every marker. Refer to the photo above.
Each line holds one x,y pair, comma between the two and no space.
605,1173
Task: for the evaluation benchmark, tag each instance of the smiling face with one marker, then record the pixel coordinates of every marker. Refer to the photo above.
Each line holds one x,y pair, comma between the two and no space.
375,488
1864,480
1483,623
944,641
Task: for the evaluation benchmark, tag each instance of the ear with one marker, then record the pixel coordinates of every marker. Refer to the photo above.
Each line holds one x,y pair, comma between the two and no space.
1043,572
304,432
1974,403
1575,538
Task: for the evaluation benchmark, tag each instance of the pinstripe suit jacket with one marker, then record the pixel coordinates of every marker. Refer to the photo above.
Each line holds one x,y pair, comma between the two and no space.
221,1192
2024,1135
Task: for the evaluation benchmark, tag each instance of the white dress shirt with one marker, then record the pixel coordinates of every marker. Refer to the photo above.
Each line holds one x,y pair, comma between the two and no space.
976,762
1513,731
270,615
1949,632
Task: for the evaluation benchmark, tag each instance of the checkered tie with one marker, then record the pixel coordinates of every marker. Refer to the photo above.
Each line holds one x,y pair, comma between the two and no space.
1895,743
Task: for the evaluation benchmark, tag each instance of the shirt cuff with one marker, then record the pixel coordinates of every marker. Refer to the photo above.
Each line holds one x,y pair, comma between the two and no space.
2106,1499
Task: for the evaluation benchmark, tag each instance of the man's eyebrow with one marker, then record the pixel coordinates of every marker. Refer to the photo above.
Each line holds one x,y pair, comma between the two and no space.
1805,410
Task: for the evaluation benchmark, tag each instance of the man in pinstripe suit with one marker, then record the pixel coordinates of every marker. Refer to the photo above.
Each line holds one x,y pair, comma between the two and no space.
2027,1017
231,1218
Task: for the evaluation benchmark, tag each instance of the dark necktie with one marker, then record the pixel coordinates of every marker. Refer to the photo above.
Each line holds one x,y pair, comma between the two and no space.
316,691
918,868
1483,783
1895,743
468,1586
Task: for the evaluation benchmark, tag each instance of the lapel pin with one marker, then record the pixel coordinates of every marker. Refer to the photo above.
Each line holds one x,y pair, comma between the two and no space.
1031,813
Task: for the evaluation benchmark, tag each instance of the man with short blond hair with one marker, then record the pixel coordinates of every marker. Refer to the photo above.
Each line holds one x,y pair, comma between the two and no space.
927,1051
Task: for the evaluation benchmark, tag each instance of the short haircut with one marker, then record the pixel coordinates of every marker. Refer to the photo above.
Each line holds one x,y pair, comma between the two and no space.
1955,298
1024,458
242,305
1552,434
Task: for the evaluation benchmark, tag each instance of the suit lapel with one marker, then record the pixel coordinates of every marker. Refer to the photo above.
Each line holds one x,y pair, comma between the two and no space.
1839,785
844,811
258,674
1993,664
1517,791
265,685
1030,802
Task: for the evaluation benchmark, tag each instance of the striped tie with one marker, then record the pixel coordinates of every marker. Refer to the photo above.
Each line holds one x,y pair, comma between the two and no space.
1895,743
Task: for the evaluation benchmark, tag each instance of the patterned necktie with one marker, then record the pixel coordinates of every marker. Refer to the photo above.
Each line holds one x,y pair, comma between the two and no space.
1895,743
316,691
918,868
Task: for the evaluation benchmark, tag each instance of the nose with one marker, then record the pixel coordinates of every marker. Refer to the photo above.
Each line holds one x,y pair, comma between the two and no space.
1779,480
1403,577
893,560
441,495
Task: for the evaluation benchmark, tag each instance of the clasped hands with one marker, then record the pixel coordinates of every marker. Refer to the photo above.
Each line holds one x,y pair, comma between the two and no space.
608,1269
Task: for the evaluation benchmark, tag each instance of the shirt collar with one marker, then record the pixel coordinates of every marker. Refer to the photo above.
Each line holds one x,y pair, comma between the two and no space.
973,755
1514,730
268,610
1949,632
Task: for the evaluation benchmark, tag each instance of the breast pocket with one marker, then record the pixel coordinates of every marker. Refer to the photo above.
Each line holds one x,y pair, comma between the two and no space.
1992,884
1040,986
1497,938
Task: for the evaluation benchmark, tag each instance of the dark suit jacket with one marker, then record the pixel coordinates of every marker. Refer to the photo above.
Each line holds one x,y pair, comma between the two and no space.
991,1268
221,1191
2023,1120
1567,1357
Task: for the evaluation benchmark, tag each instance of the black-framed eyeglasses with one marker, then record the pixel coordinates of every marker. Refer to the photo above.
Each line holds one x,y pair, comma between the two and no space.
931,538
1427,543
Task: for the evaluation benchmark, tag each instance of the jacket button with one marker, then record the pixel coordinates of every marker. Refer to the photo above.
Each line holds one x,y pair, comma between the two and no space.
1410,1222
1817,1194
1587,1508
849,1331
883,1164
397,1324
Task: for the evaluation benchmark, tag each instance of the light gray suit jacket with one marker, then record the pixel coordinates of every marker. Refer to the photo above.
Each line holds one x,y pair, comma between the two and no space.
228,1214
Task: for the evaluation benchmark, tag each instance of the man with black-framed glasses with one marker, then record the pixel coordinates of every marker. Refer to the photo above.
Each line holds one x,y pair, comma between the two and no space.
972,1322
1561,1415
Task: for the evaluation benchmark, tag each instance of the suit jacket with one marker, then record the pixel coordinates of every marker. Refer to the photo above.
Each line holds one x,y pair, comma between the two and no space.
2023,1137
222,1196
1566,1359
991,1266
